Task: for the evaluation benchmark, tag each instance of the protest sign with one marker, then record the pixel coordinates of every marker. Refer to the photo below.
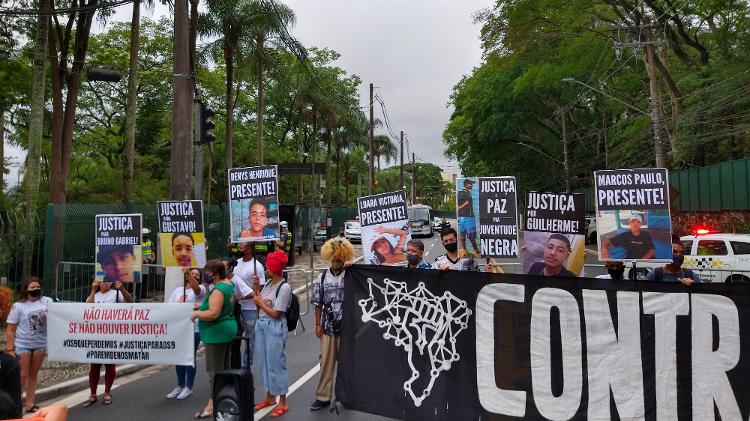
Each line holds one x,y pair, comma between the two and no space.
487,216
554,234
454,345
118,247
182,241
254,203
153,333
632,215
385,228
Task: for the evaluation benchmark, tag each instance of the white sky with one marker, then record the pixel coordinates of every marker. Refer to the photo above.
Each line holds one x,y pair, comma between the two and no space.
414,52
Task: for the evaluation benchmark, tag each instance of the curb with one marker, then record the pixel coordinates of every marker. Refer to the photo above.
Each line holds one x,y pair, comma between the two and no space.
80,383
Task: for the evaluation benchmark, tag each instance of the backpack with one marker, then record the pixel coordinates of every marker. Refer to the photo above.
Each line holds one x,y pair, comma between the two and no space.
292,312
659,274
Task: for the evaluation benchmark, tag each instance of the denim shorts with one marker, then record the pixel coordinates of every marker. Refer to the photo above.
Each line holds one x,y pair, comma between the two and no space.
21,350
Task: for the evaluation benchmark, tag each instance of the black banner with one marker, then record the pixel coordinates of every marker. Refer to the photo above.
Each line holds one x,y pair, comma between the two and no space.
563,213
642,188
180,216
449,345
498,217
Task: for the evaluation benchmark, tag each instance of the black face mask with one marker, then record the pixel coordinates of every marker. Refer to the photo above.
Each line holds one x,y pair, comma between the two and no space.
616,273
451,247
239,254
35,293
413,259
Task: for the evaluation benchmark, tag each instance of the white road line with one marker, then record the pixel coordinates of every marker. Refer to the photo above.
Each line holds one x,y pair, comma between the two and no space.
80,397
302,380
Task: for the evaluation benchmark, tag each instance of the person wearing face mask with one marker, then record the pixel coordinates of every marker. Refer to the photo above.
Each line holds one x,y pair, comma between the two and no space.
328,297
452,260
26,336
615,271
673,271
414,255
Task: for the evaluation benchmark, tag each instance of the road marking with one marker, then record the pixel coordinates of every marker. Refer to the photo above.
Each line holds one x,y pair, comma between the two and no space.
432,245
302,380
79,397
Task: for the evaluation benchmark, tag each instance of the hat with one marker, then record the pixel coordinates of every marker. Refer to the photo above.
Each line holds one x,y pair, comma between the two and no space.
636,217
283,224
276,262
468,181
145,231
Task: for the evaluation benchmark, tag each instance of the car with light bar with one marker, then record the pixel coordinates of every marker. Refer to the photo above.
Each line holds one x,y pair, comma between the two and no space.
714,256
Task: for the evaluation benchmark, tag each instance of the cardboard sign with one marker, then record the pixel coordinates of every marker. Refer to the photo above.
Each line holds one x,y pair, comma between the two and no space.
385,228
487,216
254,203
118,247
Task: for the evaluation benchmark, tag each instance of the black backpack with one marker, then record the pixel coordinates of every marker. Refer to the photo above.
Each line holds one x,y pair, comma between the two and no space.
292,312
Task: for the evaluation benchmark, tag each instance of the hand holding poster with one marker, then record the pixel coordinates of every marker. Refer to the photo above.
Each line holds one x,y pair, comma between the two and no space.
254,203
554,234
181,236
488,214
385,228
118,248
632,214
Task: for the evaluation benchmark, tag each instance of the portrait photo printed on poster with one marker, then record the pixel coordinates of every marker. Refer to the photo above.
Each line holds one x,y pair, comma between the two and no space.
181,237
385,228
118,247
254,203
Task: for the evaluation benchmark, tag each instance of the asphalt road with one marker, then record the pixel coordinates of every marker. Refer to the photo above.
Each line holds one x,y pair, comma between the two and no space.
141,396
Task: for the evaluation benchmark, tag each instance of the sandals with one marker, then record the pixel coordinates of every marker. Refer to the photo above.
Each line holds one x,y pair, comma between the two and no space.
265,403
279,411
203,414
90,401
33,409
107,399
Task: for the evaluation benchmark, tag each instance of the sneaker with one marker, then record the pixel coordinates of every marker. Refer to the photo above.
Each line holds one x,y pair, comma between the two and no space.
185,393
318,404
173,394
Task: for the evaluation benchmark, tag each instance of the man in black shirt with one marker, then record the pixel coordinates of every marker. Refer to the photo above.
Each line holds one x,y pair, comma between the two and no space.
467,226
638,244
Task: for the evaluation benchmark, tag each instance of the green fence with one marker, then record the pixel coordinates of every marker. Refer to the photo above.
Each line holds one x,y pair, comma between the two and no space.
14,229
721,187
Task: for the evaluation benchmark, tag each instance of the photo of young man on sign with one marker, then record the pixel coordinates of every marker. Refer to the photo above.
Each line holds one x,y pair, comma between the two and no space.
181,238
633,218
118,248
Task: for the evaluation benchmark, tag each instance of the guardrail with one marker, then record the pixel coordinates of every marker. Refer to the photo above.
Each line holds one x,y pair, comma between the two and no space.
73,282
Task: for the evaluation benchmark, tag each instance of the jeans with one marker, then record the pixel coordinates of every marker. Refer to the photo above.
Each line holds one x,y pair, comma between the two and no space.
248,319
186,373
270,341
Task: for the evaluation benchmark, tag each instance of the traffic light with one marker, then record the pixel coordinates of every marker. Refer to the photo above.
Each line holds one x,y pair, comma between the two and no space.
206,125
104,75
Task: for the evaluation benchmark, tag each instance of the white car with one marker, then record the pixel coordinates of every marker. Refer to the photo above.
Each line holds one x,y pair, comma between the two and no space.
714,257
353,231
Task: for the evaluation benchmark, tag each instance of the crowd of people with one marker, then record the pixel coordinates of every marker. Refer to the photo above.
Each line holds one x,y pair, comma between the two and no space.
245,295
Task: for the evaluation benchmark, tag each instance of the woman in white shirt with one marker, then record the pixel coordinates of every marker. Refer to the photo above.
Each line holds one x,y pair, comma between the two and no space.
191,292
104,292
26,336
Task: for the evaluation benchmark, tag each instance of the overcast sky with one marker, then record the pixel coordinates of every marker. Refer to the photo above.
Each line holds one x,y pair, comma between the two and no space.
414,52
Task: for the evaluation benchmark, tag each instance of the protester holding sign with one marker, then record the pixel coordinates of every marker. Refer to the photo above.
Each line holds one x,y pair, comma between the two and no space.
104,292
217,325
385,228
673,271
452,259
26,336
633,218
415,250
253,203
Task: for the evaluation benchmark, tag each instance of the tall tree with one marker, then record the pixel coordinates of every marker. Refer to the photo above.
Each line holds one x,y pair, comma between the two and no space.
384,148
131,108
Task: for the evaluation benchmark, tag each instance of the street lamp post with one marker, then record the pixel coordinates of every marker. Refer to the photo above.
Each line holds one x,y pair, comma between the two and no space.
655,121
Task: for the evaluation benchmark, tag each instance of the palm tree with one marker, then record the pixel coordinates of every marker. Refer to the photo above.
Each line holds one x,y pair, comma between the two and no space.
383,147
271,21
231,22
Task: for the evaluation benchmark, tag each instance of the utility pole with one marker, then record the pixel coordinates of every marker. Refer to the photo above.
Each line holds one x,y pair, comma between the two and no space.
402,160
655,99
413,178
566,152
181,157
372,137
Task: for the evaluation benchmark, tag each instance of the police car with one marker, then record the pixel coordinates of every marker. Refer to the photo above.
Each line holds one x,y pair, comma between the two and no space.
715,257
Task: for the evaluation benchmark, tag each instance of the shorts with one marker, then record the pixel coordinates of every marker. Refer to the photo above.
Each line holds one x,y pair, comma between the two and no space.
467,225
21,350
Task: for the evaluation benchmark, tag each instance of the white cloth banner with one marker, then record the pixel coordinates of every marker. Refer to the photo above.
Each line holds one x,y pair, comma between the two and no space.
153,333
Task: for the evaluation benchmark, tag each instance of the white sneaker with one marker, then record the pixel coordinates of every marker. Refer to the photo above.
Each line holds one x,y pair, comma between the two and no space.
175,392
185,393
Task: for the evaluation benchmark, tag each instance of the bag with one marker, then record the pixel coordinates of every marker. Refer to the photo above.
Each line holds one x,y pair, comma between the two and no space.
292,312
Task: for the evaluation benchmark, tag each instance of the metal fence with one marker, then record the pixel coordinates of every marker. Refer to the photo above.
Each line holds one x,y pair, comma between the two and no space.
14,232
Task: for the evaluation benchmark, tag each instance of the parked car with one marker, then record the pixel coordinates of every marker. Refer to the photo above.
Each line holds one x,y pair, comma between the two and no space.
321,235
437,224
353,231
715,257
